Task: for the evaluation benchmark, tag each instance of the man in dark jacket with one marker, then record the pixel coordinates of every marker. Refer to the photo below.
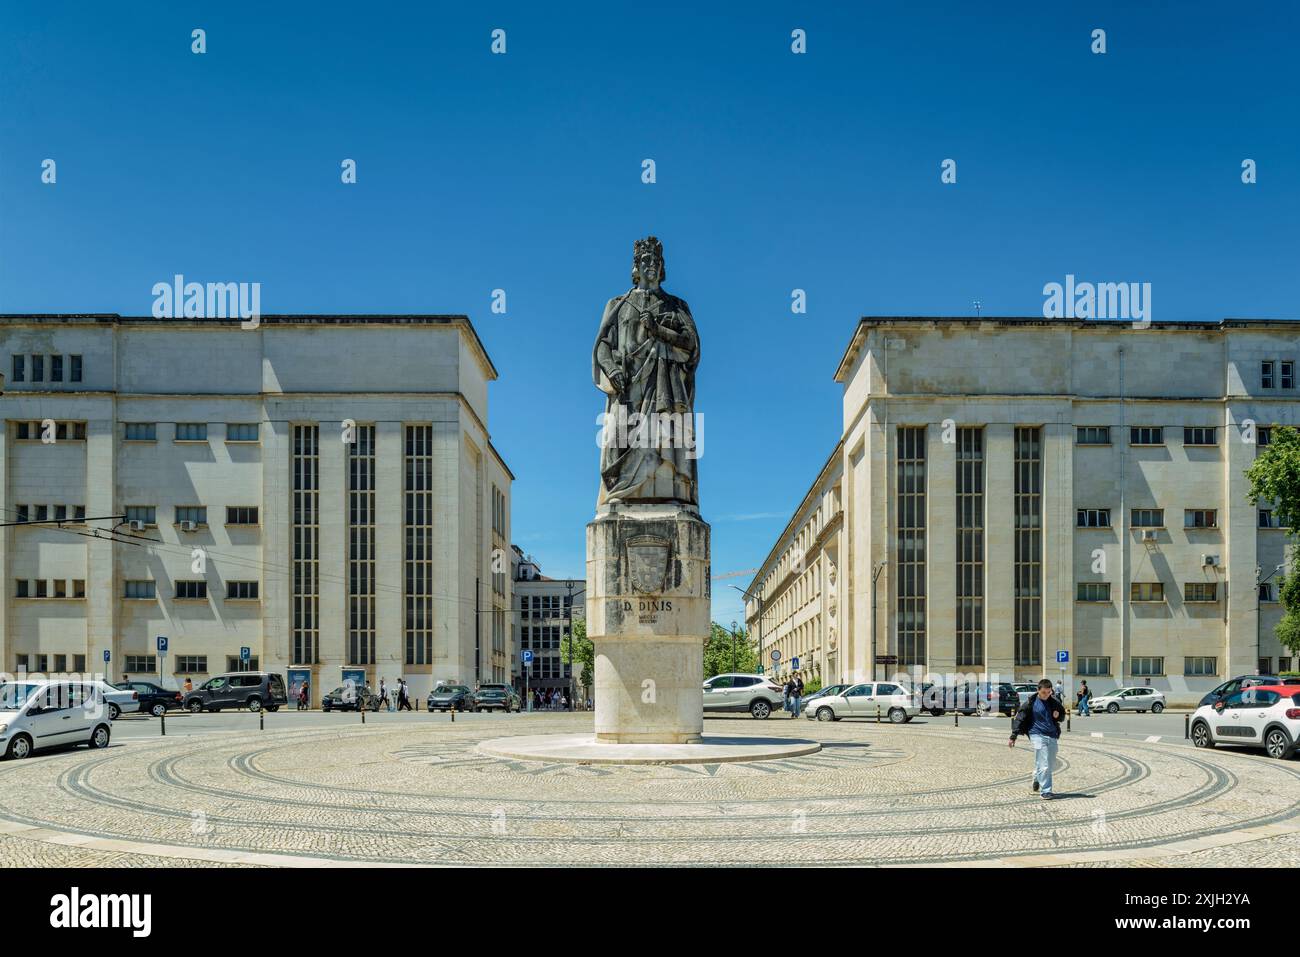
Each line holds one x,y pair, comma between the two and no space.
1040,718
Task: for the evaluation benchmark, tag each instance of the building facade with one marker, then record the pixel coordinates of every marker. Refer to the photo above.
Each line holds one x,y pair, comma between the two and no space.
319,490
544,614
1008,492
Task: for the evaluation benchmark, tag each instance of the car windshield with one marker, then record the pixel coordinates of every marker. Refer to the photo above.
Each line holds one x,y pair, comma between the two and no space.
449,689
14,696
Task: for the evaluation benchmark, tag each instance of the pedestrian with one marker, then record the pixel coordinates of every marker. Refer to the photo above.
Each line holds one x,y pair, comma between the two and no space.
189,685
1040,718
788,692
383,693
564,701
126,679
403,695
798,694
304,695
1084,694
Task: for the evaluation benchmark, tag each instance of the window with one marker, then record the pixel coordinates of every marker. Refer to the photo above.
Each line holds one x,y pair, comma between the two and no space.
1284,663
1200,436
970,547
141,513
60,588
1201,591
1093,518
1200,518
241,591
42,589
21,588
192,590
60,664
1094,666
1148,667
56,368
41,513
78,588
138,588
79,663
141,432
1267,519
305,597
1197,667
241,432
1027,555
19,369
198,514
233,663
21,513
191,664
1266,591
910,545
361,546
74,368
1148,518
1266,374
1146,591
20,662
1093,435
1288,374
241,515
38,368
417,503
60,513
1146,435
1093,591
191,431
22,430
140,663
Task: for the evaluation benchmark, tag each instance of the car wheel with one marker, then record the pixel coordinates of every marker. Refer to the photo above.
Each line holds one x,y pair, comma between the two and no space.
1277,744
99,737
254,704
1201,735
897,715
1157,708
114,712
158,710
1112,708
196,706
825,714
19,747
325,708
760,709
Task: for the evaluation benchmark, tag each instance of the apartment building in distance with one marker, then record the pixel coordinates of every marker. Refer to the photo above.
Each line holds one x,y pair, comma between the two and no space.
544,613
321,491
1009,492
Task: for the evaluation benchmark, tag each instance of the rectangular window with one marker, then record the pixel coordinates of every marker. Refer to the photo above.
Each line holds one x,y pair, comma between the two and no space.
74,368
1200,436
140,664
1147,518
1093,591
234,663
1284,664
241,591
1288,374
60,664
42,588
1264,435
19,369
22,588
139,588
191,590
78,588
970,546
1093,435
198,514
241,515
1198,667
306,543
361,546
1148,667
1266,591
1094,666
910,545
1201,591
1093,518
1200,518
60,513
1146,591
145,514
1266,374
241,431
38,368
1028,552
417,495
41,513
141,432
21,513
191,664
1267,519
191,431
79,663
56,368
60,588
22,430
20,662
1146,435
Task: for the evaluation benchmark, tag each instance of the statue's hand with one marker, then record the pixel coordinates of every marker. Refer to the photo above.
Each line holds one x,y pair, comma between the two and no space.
617,380
648,323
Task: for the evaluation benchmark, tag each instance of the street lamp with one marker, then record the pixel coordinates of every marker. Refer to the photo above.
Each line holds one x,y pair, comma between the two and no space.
759,636
879,568
733,646
1258,616
569,585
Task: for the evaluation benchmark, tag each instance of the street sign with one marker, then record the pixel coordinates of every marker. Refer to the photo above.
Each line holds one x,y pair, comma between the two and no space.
245,653
526,657
886,659
107,655
776,656
794,662
162,644
1062,657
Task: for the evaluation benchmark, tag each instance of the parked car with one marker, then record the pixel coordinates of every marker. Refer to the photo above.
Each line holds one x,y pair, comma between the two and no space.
1025,691
117,701
740,693
979,697
1258,716
1241,682
865,700
448,697
496,696
253,690
350,697
152,698
1128,699
823,692
43,714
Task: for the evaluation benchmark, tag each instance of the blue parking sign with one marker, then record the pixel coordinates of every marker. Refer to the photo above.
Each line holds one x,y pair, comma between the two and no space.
526,657
1063,657
107,654
162,644
245,653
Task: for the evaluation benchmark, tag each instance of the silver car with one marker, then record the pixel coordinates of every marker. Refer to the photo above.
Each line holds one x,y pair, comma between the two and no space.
1128,699
741,692
865,700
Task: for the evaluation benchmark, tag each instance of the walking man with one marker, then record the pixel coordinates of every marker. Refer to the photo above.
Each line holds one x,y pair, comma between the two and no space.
798,694
1040,718
403,695
1084,694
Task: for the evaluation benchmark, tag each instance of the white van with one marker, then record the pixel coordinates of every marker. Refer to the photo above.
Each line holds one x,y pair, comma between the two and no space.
44,714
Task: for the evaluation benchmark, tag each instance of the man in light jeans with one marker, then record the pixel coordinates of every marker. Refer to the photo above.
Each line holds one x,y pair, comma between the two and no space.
1040,718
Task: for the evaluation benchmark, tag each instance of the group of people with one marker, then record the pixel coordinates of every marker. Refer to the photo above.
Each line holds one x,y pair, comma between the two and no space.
793,694
551,700
397,699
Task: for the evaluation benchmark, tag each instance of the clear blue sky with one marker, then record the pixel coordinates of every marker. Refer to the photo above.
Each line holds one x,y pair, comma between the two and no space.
775,171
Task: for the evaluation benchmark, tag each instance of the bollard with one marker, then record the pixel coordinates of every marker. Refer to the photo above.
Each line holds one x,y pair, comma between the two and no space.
1068,715
1187,726
261,719
877,714
163,717
362,709
955,716
453,714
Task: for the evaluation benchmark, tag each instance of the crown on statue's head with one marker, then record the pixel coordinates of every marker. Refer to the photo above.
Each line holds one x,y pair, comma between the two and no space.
649,245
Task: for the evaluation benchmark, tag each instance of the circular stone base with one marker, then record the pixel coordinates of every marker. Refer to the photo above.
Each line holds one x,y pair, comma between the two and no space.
585,749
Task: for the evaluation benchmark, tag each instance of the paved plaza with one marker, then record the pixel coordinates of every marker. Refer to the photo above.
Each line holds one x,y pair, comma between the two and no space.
414,789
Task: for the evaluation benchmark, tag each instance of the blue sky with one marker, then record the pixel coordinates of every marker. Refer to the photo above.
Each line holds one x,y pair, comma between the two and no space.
775,171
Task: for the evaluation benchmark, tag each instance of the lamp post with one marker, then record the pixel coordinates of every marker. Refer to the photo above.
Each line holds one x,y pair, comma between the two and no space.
759,637
875,575
1258,615
569,628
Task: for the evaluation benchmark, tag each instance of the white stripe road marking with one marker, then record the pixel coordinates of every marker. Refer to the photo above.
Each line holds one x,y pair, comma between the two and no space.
1152,739
1097,734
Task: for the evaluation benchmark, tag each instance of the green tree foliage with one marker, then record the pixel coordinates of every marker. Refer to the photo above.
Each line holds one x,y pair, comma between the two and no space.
1275,481
584,652
718,652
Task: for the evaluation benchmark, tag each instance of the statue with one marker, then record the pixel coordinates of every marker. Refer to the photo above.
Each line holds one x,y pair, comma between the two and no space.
644,361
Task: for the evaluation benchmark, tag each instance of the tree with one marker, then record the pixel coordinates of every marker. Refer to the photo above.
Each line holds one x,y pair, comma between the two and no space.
1275,479
718,652
584,652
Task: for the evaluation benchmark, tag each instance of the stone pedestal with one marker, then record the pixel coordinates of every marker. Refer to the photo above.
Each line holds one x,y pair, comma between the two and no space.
648,597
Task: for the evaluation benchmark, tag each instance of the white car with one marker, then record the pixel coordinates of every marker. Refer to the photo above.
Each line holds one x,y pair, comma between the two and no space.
119,702
1128,699
43,714
865,700
1264,716
1025,691
741,692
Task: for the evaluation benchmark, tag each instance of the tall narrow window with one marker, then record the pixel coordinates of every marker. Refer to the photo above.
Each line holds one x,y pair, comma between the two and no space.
418,507
910,547
361,547
74,368
1028,557
970,546
306,543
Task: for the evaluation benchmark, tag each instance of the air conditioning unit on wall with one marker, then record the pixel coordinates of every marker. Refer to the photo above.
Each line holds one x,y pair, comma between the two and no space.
188,526
1148,534
1211,561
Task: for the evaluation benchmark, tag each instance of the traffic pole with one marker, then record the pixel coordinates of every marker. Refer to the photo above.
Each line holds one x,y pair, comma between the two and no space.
1187,726
163,717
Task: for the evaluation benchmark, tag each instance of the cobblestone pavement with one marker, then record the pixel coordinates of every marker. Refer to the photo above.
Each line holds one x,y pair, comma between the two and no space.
421,794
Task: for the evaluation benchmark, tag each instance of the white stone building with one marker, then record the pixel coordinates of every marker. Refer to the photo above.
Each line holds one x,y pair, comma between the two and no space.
321,490
1023,487
545,609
